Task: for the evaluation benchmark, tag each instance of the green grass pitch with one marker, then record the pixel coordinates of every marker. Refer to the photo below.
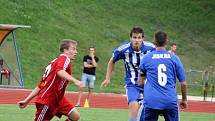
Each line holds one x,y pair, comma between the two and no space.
13,113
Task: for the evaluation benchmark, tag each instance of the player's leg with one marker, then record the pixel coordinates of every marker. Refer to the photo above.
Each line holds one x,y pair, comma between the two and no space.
133,110
132,95
74,115
171,114
43,113
91,79
67,109
84,80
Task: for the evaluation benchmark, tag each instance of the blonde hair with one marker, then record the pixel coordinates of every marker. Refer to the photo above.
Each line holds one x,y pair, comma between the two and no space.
65,43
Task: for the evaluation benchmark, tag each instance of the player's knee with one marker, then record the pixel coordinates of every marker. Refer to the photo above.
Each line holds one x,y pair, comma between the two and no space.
71,119
134,105
74,116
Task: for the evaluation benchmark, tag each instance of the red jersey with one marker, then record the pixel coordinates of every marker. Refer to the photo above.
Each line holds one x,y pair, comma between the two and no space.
52,87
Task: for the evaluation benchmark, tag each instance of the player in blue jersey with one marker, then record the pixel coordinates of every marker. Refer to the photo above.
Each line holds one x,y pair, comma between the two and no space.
131,53
160,69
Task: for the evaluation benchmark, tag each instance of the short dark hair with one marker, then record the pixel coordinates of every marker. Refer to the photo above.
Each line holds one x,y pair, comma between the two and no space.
91,47
160,39
137,30
65,43
173,44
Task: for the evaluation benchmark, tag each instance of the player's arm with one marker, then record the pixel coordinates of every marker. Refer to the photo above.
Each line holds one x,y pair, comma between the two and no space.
63,74
141,77
24,103
182,79
140,80
141,74
110,69
183,103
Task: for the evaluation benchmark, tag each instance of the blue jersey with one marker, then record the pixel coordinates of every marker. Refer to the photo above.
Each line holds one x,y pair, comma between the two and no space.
161,69
131,59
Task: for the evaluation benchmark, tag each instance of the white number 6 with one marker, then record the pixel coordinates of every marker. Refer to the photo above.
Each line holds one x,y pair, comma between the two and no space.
162,77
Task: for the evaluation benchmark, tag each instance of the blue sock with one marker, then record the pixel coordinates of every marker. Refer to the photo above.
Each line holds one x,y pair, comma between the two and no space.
132,120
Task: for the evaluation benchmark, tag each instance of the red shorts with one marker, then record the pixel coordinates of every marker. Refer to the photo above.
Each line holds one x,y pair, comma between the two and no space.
44,113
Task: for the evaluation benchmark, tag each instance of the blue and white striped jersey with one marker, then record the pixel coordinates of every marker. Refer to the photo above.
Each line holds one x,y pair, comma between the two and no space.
131,59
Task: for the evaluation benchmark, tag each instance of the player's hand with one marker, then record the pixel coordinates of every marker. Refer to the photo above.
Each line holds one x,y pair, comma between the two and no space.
79,83
22,104
183,104
140,82
104,83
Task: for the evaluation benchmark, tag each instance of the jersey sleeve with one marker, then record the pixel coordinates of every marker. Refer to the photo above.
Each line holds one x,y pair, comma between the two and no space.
150,46
117,55
85,59
152,49
180,72
63,63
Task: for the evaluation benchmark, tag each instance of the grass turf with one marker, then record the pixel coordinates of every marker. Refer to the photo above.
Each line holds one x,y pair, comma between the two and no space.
13,113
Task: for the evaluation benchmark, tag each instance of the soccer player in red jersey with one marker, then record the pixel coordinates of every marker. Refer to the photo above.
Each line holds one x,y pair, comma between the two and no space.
50,99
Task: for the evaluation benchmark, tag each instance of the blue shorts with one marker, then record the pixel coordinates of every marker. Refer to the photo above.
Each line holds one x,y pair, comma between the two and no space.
149,114
88,80
133,93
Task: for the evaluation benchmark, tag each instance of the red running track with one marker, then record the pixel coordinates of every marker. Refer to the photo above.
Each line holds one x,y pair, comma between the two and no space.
100,100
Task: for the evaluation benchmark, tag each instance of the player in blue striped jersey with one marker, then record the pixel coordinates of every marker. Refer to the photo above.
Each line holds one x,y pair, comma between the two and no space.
161,68
131,53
